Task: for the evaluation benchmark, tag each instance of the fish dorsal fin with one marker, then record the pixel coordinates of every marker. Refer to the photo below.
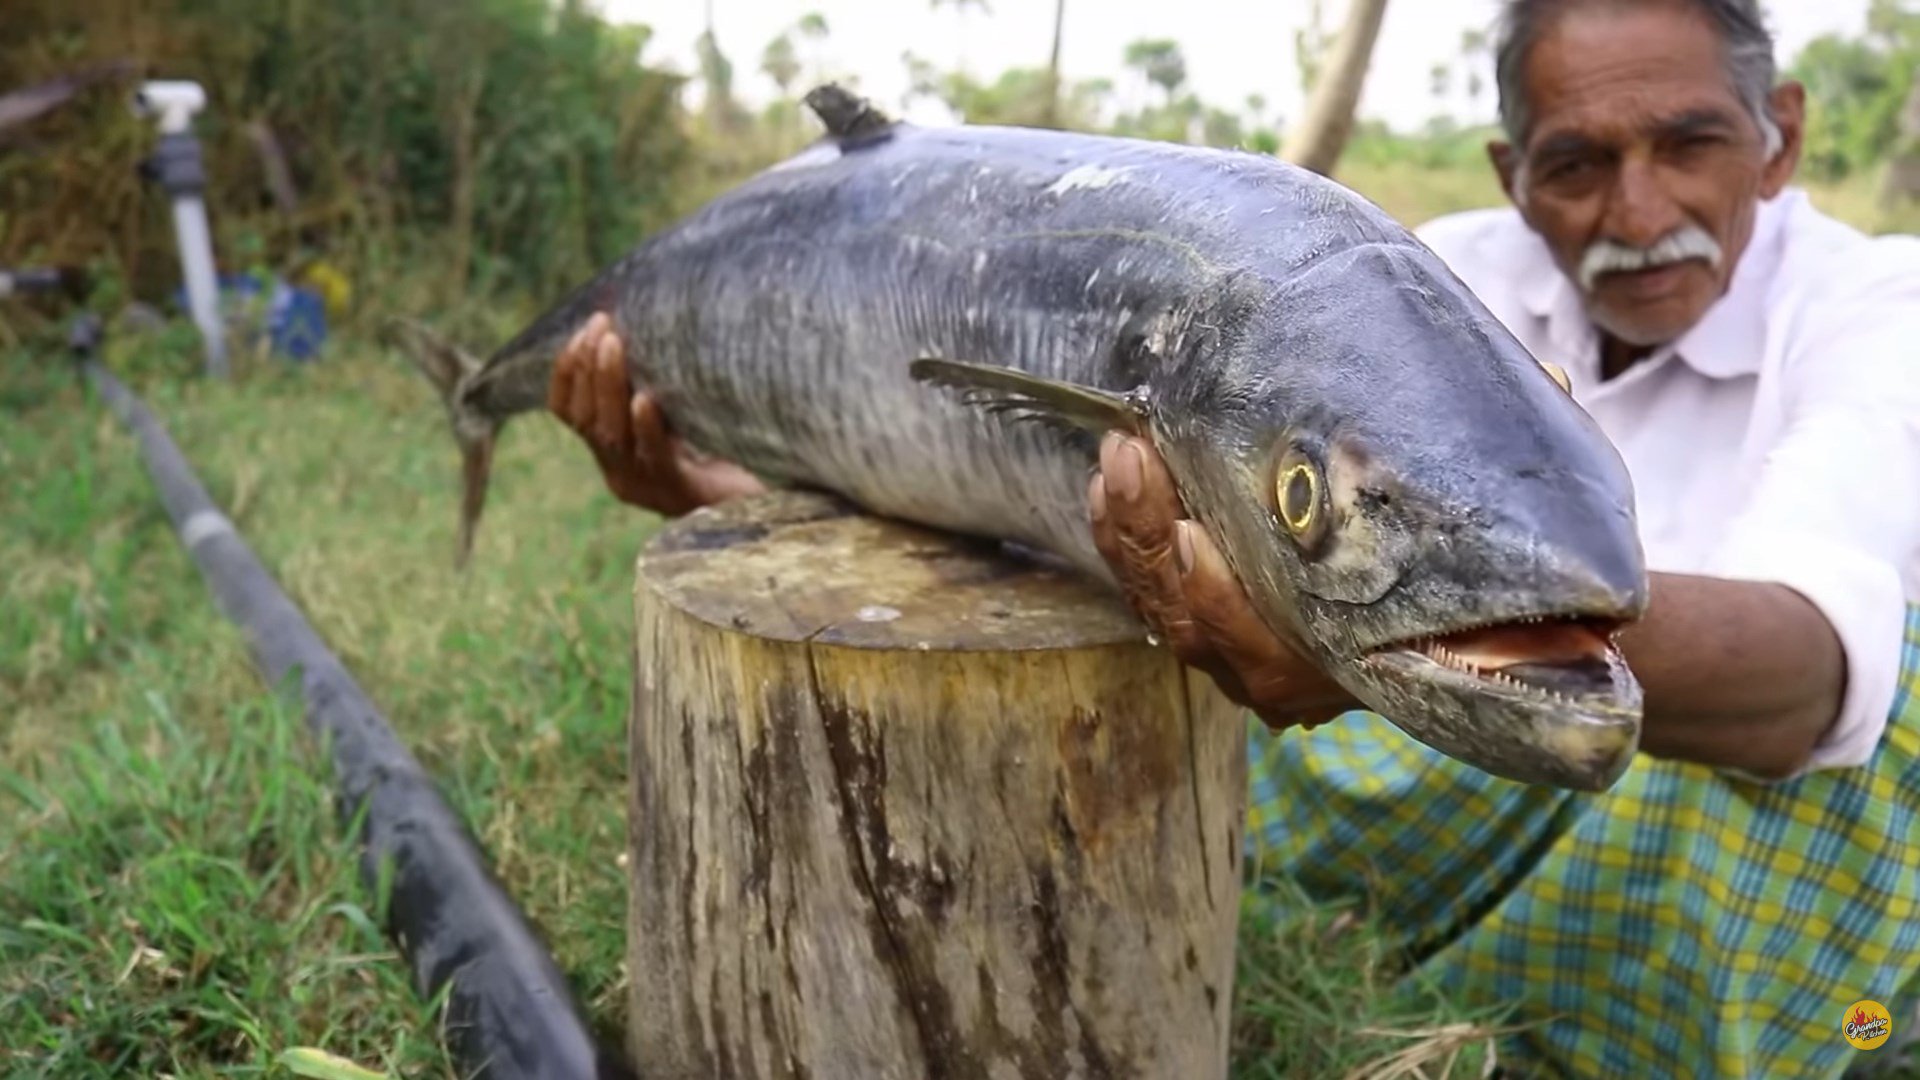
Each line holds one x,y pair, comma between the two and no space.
847,115
994,388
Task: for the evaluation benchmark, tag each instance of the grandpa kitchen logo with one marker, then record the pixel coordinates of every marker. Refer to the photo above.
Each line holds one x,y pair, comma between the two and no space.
1867,1025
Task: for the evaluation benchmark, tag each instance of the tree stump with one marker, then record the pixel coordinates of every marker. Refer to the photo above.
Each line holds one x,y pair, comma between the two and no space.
905,805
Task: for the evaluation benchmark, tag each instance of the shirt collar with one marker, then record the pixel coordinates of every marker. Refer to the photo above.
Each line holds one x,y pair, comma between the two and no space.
1726,342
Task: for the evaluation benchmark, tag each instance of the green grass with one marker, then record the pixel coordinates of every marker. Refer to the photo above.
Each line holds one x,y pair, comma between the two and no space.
153,797
175,896
174,893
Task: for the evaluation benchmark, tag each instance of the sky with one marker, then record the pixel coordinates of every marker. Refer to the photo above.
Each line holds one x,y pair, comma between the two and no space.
1233,48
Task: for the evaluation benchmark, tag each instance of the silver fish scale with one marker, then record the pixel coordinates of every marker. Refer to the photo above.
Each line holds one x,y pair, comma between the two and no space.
841,412
1262,310
777,324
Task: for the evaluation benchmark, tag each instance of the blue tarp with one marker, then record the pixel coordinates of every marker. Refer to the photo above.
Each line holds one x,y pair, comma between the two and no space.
294,319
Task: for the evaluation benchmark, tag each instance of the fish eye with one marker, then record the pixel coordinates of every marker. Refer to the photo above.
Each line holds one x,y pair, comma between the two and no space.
1298,497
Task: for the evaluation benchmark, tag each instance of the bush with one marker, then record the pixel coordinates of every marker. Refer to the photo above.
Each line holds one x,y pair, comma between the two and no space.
504,140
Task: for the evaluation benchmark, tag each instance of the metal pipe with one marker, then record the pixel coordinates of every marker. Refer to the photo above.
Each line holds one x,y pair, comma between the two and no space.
203,289
510,1013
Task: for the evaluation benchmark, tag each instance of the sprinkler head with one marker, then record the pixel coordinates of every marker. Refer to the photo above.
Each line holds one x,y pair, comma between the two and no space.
172,101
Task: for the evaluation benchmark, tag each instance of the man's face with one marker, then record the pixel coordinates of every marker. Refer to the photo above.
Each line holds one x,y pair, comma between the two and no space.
1640,145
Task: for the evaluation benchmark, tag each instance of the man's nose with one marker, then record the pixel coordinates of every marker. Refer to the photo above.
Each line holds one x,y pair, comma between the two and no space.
1639,211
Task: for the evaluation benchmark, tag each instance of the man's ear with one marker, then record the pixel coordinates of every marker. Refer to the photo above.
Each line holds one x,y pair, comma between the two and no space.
1788,104
1506,164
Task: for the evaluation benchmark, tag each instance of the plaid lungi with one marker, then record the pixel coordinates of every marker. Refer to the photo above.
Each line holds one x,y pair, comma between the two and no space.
1683,923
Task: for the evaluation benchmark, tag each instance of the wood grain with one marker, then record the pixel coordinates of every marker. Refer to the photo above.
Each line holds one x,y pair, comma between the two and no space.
909,805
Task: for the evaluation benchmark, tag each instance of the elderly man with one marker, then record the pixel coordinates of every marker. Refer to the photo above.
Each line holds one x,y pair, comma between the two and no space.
1756,874
1724,907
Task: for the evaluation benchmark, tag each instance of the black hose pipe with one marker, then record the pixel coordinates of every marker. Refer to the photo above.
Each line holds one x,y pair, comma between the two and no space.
510,1013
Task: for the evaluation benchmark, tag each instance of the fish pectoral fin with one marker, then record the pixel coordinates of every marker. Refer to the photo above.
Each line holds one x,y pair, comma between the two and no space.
1008,391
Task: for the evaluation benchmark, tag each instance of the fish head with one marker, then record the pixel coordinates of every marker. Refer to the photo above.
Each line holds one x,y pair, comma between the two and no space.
1411,499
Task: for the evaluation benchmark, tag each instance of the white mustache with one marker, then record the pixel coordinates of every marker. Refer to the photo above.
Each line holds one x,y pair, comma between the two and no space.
1608,256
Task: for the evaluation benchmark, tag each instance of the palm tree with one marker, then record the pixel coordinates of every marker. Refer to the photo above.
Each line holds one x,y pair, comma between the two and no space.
813,28
1161,62
781,64
1474,44
1052,113
960,8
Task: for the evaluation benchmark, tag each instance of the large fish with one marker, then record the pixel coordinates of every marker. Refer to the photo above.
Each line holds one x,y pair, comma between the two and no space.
938,323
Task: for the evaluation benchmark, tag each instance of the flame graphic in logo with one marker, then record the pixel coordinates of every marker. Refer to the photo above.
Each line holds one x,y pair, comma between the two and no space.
1867,1024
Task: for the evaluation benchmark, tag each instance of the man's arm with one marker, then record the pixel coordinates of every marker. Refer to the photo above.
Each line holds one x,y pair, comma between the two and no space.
1746,675
1832,517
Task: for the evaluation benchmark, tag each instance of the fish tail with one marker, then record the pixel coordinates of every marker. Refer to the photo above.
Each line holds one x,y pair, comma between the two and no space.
450,369
476,466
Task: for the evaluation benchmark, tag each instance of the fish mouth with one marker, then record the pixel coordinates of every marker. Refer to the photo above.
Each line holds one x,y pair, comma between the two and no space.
1549,660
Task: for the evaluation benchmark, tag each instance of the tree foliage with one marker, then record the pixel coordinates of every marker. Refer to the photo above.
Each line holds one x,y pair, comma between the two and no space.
1160,62
1311,41
1856,88
1018,96
781,63
528,141
516,140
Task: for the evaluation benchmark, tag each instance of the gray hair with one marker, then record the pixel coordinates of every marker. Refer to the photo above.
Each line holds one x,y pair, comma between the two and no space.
1747,53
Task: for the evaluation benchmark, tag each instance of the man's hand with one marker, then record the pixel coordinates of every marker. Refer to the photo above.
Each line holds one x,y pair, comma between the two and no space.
1181,586
1183,589
643,463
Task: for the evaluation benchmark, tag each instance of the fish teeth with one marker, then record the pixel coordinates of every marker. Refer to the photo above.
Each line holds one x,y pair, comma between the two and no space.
1446,657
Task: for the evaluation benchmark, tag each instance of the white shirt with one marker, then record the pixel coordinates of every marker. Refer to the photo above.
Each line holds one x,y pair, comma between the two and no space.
1777,440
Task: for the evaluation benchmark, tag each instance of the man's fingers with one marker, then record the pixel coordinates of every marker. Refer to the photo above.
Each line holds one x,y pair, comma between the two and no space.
1220,604
566,369
1104,540
1160,612
1137,504
581,399
1269,670
1559,375
1141,594
1140,507
652,444
571,368
1163,611
613,418
1138,478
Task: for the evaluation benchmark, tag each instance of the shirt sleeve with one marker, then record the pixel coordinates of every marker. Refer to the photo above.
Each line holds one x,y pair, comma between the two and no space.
1452,236
1834,509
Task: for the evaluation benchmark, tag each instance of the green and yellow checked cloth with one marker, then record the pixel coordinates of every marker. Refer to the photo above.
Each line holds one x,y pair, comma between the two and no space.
1684,923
